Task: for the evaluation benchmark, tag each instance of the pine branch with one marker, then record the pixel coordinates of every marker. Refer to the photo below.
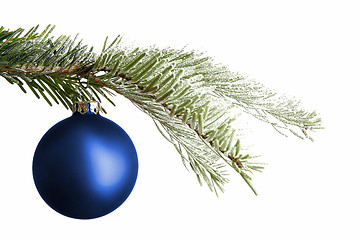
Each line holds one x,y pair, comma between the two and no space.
193,102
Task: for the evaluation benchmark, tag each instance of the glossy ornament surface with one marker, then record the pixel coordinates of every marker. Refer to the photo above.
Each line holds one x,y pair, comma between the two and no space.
85,166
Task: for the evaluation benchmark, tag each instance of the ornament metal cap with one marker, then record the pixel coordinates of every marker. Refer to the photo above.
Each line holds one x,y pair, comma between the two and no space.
86,106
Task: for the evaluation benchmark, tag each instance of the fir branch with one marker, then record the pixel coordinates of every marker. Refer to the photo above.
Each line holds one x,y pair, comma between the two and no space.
192,101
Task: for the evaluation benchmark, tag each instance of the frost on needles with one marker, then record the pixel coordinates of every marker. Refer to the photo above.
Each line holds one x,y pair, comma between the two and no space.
193,101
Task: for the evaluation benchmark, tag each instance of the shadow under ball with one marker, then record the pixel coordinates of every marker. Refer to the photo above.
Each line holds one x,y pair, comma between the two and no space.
85,166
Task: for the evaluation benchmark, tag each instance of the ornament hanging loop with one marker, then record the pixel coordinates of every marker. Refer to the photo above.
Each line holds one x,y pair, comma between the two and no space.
85,86
87,81
86,106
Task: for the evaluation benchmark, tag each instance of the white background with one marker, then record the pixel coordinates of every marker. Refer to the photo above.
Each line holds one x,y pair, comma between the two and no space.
308,49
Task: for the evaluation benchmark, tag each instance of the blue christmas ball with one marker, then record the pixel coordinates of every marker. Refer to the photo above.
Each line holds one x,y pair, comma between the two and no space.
85,166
